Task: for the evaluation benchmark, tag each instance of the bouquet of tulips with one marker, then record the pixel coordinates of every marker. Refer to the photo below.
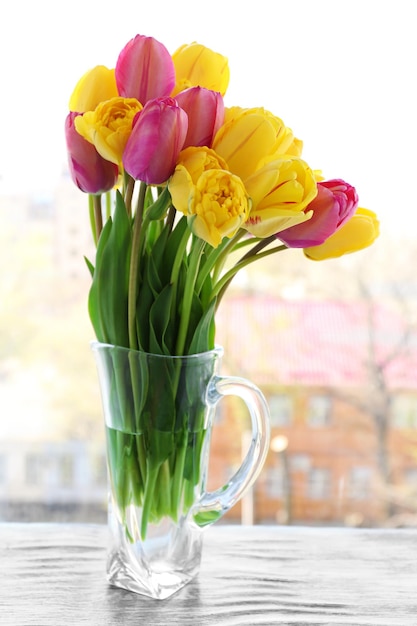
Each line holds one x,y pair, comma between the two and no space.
178,185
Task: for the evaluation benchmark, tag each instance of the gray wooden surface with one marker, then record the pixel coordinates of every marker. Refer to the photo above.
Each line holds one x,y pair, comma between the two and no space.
53,575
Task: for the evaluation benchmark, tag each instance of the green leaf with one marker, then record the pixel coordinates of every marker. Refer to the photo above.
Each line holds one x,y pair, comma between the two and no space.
159,319
159,208
204,518
206,289
139,374
158,256
159,411
161,444
90,266
111,277
196,313
173,242
94,308
143,306
204,335
155,270
153,230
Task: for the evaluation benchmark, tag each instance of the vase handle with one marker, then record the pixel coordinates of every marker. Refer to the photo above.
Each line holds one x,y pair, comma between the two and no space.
214,504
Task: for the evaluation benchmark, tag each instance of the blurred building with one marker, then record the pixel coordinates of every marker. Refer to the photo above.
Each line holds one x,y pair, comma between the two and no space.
342,391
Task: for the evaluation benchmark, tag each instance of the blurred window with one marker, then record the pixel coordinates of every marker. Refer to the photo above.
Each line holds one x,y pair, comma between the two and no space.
319,483
360,483
281,409
318,411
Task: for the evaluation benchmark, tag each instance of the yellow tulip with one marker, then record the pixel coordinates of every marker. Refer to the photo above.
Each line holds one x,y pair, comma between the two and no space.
198,160
192,163
357,233
280,191
198,66
218,206
108,127
95,86
249,136
181,188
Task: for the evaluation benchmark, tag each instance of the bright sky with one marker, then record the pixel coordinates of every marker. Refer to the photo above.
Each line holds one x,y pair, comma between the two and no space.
340,73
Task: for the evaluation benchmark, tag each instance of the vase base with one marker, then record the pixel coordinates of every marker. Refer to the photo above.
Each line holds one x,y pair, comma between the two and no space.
158,584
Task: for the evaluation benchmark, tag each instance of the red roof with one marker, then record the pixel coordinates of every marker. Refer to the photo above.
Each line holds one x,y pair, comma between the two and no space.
275,341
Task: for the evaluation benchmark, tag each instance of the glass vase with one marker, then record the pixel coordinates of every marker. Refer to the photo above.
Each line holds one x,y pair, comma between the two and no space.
158,413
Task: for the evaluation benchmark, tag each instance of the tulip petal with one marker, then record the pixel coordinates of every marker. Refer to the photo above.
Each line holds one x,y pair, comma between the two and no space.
323,223
205,110
218,206
270,222
95,86
180,186
109,126
357,233
244,142
89,171
198,66
283,204
260,184
144,70
156,140
335,203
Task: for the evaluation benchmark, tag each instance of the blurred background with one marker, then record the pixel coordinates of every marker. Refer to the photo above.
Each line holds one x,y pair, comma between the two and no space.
333,344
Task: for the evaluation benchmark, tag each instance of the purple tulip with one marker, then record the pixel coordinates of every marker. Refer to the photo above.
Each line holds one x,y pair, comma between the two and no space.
89,171
144,70
157,137
205,110
335,203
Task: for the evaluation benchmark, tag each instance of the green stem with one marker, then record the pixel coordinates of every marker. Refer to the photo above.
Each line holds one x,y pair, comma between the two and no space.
137,241
148,498
221,286
263,243
108,204
164,488
128,194
178,260
171,217
188,493
216,259
92,218
221,259
141,451
179,257
195,256
177,477
98,217
141,202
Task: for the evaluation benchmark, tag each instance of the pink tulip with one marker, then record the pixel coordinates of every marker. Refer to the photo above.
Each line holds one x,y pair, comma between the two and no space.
334,204
205,110
157,137
89,171
144,70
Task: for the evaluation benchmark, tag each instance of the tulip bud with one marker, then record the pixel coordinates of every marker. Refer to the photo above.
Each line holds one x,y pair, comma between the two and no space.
335,203
97,85
358,232
198,66
89,171
218,206
155,142
144,70
250,136
205,110
281,191
108,127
